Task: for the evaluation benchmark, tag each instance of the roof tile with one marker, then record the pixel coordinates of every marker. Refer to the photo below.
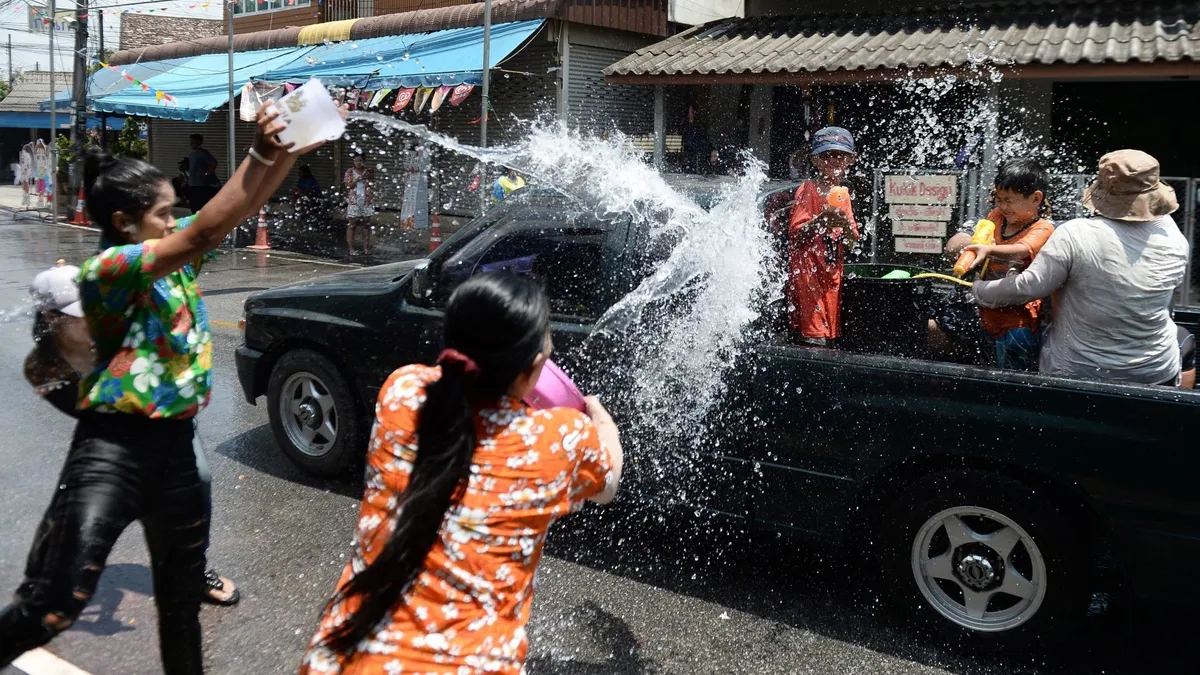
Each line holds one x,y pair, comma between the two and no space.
1029,32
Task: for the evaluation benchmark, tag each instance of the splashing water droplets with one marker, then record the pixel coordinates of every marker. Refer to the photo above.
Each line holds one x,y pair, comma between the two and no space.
681,328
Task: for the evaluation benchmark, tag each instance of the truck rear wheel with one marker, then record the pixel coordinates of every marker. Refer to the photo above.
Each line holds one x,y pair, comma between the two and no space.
313,414
986,561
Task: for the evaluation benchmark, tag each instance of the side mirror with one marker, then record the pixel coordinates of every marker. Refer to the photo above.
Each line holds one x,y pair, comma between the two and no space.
422,286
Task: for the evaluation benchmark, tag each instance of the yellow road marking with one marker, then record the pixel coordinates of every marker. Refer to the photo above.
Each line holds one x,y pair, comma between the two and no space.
224,324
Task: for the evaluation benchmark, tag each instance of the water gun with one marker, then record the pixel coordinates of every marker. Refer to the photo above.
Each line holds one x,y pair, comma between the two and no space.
985,233
839,198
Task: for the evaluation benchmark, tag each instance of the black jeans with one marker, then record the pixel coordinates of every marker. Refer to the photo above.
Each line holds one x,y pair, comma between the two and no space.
120,468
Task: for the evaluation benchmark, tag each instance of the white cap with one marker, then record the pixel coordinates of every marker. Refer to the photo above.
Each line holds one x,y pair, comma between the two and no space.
56,290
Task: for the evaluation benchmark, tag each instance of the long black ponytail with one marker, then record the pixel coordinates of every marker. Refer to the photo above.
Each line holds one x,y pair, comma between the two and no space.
496,325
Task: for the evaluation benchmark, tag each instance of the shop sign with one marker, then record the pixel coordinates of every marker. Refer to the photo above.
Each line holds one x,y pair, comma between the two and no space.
921,212
919,228
935,189
918,245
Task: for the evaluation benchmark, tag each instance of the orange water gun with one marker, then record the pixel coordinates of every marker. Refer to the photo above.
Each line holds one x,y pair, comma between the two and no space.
985,233
839,198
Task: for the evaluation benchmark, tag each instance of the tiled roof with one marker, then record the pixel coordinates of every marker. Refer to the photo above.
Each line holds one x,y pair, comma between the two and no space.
1011,33
30,89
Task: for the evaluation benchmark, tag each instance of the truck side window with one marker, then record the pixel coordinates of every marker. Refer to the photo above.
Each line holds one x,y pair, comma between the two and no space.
562,251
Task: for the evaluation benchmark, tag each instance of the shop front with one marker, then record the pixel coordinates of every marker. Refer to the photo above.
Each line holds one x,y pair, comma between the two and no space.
935,97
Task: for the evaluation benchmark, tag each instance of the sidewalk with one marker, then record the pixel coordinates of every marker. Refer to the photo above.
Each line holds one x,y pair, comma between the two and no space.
287,235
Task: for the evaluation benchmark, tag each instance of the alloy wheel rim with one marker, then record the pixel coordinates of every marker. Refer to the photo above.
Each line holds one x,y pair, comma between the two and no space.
309,414
979,568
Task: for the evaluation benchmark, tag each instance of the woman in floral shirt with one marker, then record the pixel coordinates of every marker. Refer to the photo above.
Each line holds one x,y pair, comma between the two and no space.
132,456
463,481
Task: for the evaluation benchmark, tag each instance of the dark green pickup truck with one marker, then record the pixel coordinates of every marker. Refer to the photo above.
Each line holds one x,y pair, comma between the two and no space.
984,498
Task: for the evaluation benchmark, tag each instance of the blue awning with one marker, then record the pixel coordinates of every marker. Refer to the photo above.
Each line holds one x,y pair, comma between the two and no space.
198,85
106,81
444,57
41,120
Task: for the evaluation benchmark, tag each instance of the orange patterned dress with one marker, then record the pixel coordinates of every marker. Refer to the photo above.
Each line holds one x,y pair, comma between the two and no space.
466,612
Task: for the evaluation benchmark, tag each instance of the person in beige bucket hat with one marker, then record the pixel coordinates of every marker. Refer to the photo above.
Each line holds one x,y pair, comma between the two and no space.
1112,277
1128,188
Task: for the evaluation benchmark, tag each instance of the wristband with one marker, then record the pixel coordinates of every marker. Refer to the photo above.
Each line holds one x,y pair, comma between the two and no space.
258,156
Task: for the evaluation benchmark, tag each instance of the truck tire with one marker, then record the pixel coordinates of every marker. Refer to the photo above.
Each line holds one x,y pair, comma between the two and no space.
313,414
985,561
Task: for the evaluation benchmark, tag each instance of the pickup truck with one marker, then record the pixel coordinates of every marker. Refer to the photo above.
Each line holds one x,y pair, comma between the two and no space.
992,505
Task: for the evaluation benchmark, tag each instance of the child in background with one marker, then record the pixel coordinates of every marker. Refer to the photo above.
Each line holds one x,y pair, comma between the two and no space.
818,235
1022,228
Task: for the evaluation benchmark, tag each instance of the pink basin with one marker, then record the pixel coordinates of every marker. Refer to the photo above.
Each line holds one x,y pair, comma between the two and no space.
555,390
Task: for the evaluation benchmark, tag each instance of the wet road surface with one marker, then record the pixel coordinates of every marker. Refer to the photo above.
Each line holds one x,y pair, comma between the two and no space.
633,590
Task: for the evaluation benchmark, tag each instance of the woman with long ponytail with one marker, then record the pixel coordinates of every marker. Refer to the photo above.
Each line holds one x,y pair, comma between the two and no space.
463,480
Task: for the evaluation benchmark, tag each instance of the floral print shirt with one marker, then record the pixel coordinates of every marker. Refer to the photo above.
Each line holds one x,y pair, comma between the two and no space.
153,346
466,612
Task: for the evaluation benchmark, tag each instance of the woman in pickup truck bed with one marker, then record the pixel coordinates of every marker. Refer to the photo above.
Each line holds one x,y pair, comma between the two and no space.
1112,277
463,480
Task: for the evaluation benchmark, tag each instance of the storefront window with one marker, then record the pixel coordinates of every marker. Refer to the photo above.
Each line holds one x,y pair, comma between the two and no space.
255,6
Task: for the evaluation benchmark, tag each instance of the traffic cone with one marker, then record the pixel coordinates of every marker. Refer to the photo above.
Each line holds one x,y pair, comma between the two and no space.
435,234
80,210
260,236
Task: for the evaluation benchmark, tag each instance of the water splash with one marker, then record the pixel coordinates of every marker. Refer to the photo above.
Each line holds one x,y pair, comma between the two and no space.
22,311
705,272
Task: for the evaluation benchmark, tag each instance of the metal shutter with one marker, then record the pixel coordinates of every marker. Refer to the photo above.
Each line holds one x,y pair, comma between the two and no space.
169,143
593,105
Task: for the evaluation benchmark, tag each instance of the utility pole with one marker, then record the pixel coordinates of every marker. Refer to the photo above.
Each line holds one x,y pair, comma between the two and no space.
229,131
78,91
103,116
10,77
483,120
487,66
53,124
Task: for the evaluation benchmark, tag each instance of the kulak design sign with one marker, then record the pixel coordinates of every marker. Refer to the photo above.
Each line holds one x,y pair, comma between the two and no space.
921,208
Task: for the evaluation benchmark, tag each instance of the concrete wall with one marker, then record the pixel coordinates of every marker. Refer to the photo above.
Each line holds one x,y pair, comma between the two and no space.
144,30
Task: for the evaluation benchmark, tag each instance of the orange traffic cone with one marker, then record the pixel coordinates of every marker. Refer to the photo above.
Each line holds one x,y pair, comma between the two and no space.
260,236
435,234
80,210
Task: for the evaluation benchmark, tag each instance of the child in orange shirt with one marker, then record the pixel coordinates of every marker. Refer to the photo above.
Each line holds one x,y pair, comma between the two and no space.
818,236
1020,210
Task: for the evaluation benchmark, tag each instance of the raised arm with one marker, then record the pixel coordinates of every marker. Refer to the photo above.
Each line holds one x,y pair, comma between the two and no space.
1043,276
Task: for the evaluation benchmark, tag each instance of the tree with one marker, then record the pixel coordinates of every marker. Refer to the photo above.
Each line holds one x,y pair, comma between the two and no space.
129,141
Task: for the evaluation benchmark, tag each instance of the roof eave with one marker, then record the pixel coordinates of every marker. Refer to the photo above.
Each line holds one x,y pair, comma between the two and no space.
1056,71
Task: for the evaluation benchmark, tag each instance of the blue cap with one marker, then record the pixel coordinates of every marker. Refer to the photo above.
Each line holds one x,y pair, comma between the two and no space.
833,138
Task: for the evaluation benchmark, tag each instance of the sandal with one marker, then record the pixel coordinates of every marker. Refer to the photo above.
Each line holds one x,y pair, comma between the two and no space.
220,591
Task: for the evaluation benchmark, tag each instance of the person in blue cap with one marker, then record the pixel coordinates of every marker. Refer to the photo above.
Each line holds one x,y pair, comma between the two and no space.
819,233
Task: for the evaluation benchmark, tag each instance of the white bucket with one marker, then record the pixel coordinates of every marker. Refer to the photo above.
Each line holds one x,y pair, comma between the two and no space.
311,116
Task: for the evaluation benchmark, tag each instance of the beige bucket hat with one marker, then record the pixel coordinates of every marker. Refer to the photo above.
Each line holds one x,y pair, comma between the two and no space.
1128,188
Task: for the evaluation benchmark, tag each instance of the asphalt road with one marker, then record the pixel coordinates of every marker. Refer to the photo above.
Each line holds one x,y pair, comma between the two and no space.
634,590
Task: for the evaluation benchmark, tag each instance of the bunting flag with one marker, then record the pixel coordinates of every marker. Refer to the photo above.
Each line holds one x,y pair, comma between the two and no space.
439,96
402,99
379,96
160,96
461,92
423,95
